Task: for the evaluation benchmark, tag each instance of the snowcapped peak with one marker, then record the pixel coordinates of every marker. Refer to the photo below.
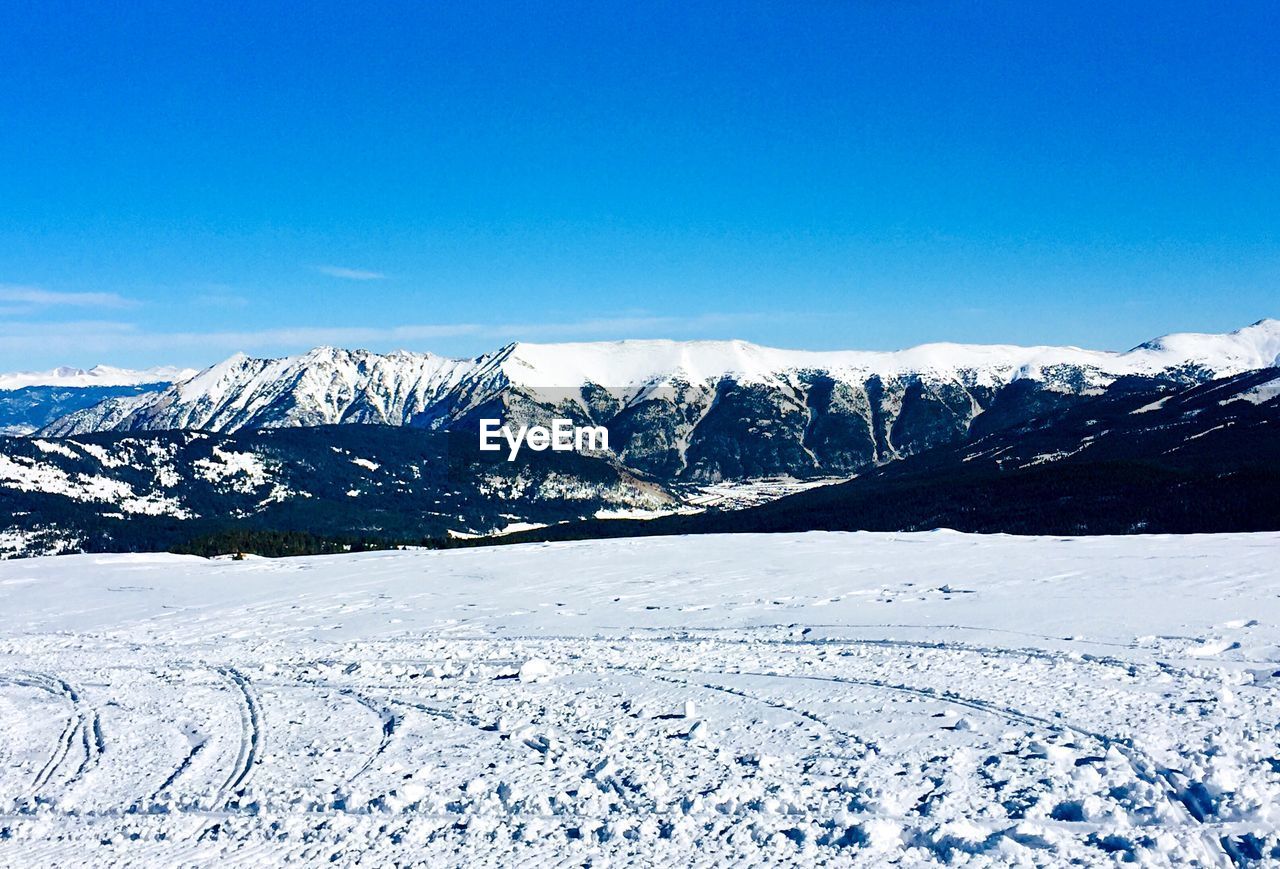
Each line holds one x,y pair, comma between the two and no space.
218,377
326,352
232,361
636,362
98,375
1254,346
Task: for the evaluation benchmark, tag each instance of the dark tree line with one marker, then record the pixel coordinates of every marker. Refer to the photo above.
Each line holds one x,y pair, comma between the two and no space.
279,544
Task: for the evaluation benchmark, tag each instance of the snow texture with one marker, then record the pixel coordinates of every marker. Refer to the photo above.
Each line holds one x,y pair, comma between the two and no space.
842,699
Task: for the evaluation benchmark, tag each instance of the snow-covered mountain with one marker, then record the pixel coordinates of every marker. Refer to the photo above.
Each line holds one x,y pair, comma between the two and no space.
30,400
99,375
1146,453
701,410
630,363
1144,456
323,386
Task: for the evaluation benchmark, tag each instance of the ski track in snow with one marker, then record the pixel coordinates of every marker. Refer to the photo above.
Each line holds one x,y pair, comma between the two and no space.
250,736
817,699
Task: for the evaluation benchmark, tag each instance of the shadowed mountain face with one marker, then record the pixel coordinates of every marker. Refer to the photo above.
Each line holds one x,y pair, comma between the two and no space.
810,426
31,408
1140,457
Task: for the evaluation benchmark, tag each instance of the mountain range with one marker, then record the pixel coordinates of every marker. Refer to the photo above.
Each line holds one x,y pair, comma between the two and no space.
31,400
694,426
699,411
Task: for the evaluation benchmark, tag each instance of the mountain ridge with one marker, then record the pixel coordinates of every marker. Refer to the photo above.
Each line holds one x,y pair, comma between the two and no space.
698,412
328,385
1250,347
1200,459
1254,346
98,375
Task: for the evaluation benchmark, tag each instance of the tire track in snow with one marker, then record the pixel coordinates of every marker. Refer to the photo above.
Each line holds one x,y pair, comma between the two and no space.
178,771
1143,768
83,726
692,636
437,712
1182,801
61,748
90,734
250,736
774,704
390,721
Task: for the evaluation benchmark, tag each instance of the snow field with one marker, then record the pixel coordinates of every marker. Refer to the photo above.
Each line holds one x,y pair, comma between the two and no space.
839,699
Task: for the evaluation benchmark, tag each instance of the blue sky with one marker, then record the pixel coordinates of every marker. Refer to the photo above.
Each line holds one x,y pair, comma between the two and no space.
180,181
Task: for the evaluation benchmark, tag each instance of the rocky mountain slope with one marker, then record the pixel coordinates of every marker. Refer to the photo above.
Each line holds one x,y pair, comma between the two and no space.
1138,457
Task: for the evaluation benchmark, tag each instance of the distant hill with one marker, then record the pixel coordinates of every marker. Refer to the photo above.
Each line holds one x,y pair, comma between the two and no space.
157,490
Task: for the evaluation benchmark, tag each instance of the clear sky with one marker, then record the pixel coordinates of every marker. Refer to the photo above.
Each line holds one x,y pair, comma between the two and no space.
179,181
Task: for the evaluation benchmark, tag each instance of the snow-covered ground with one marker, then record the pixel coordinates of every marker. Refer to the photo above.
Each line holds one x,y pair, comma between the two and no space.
740,494
817,698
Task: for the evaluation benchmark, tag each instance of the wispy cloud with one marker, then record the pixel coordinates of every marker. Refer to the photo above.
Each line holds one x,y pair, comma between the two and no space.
35,297
350,274
103,339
